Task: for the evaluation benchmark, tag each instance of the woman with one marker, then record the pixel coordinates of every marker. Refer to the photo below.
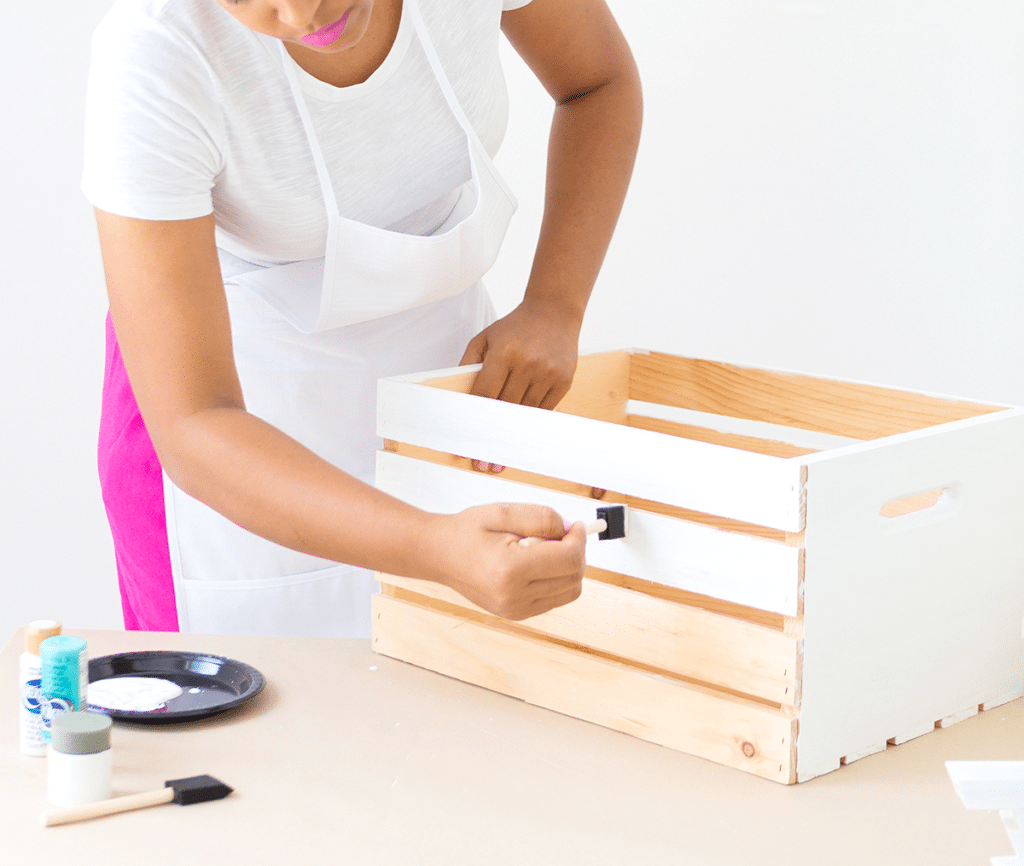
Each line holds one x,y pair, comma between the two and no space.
295,198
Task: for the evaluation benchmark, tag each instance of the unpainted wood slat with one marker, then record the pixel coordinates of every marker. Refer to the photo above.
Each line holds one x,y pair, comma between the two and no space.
771,447
721,728
460,383
702,646
825,405
599,389
517,628
798,436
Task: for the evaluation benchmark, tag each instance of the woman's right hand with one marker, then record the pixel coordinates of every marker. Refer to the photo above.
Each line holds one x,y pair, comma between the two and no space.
480,557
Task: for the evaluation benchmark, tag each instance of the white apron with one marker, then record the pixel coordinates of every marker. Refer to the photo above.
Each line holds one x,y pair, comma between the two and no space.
311,339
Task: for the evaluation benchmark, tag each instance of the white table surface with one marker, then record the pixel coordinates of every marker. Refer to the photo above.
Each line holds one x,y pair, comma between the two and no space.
348,757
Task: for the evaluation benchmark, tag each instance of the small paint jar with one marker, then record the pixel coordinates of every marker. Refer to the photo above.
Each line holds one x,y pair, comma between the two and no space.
79,760
64,678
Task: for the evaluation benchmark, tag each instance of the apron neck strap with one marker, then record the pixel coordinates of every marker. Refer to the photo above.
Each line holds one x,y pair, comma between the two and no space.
412,8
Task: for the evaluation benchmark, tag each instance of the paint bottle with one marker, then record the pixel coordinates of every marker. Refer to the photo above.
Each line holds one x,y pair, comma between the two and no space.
79,763
30,723
64,678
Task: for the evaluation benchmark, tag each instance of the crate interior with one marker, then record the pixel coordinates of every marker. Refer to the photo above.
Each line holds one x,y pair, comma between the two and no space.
715,402
782,415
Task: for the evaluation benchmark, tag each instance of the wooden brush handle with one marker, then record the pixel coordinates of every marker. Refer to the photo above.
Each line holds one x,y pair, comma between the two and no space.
109,807
598,525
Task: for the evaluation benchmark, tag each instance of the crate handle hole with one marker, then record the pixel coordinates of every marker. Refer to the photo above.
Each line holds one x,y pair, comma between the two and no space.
920,508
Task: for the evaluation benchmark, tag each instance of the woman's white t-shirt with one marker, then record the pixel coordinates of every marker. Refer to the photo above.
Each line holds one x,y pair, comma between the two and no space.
189,113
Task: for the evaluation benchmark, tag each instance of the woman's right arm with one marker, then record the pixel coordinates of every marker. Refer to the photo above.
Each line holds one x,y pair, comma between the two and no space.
171,317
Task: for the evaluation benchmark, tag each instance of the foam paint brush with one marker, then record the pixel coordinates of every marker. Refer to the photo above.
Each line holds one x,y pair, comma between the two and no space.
610,523
185,792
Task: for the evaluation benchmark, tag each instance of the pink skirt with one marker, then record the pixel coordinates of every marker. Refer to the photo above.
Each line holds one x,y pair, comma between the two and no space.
133,494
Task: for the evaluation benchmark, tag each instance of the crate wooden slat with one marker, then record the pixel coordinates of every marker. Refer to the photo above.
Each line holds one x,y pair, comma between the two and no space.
807,402
732,566
813,570
726,729
688,642
701,476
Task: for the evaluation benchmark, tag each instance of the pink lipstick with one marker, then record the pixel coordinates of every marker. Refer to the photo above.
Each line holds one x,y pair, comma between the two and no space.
326,35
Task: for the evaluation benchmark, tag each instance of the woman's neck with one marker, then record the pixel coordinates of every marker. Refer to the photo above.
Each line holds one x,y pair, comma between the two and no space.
356,64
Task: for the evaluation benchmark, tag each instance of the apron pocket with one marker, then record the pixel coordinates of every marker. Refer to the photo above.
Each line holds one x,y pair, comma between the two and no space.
329,602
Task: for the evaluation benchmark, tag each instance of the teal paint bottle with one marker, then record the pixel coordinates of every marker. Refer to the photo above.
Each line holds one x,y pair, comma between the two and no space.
65,678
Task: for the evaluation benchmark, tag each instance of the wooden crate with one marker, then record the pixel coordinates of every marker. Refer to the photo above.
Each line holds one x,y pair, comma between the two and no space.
813,569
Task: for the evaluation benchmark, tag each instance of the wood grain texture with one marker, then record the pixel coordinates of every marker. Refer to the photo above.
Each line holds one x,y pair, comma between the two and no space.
824,405
697,644
599,389
724,729
805,440
772,448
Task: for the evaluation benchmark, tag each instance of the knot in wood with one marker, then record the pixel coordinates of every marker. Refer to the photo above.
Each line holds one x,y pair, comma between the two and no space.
748,749
597,493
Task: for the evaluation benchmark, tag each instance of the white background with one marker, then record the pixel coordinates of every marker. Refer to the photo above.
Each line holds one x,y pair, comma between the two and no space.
828,186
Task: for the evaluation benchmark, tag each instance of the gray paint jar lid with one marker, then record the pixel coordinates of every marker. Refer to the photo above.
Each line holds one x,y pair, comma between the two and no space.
80,733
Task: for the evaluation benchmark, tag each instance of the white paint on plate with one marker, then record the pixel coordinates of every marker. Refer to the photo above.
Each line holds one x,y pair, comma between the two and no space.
133,694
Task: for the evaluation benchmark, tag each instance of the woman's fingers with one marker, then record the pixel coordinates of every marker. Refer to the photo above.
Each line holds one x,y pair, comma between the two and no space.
524,519
491,568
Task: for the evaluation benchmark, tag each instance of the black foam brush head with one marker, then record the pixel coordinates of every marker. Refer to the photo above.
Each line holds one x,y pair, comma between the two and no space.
615,518
197,789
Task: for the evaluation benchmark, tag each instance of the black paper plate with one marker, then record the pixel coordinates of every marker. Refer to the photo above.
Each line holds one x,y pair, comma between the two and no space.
211,684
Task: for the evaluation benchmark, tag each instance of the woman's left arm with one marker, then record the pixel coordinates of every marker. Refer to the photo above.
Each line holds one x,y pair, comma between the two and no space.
581,57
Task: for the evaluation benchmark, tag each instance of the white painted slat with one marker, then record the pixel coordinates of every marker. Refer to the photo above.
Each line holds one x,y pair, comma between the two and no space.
910,623
912,733
753,488
865,752
730,566
940,431
738,426
954,718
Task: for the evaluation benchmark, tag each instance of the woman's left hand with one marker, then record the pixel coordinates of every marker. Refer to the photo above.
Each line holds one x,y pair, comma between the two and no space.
580,56
529,356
